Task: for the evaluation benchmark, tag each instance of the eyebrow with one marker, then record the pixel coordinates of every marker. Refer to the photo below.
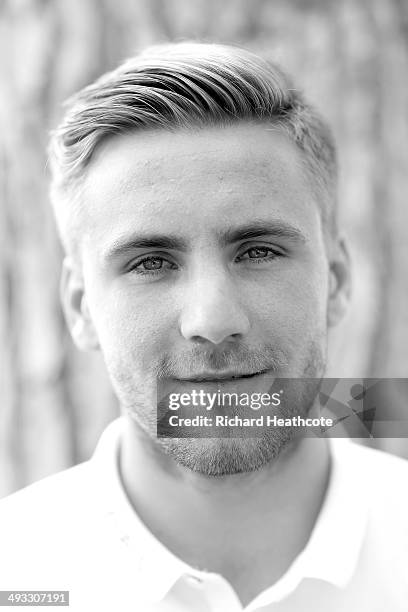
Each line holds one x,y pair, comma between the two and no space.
277,229
152,241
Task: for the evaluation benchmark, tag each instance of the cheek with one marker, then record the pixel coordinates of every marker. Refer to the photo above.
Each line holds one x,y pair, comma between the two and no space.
293,309
130,326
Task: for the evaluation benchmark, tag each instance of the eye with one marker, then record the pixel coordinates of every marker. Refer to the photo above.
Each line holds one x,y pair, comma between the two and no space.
154,264
259,254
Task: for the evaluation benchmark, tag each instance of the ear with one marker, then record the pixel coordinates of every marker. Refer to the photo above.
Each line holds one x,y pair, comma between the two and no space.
75,307
339,282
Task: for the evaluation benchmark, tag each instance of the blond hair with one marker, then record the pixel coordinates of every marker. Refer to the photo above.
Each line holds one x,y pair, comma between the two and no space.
182,85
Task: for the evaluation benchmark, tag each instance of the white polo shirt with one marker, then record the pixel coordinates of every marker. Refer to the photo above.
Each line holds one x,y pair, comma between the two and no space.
76,531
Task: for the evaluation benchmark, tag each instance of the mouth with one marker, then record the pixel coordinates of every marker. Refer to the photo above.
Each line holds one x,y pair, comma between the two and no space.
216,377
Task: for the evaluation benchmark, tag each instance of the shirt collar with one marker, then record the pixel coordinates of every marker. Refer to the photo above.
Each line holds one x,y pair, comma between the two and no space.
331,553
333,549
154,567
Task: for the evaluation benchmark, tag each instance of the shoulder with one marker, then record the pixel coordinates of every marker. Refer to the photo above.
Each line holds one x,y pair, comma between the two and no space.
379,466
375,480
42,525
57,534
378,472
40,502
383,480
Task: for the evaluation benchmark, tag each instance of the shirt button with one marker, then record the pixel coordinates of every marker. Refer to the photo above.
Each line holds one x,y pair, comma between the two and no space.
195,579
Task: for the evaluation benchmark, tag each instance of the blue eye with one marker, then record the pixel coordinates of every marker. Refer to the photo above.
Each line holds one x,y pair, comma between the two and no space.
152,265
259,254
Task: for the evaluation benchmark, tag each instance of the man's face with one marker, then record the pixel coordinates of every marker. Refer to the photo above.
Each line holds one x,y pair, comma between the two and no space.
202,258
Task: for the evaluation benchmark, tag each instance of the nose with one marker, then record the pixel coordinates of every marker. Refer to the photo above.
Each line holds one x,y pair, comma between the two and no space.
212,311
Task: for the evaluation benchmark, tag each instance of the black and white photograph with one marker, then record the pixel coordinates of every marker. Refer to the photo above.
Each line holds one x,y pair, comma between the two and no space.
204,305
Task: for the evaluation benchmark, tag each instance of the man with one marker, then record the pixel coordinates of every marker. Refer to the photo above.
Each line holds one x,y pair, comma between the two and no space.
194,192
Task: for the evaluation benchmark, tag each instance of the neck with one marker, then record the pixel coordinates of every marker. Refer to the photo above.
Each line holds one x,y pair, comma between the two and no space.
255,522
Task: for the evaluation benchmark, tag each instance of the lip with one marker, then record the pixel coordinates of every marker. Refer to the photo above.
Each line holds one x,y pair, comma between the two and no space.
221,376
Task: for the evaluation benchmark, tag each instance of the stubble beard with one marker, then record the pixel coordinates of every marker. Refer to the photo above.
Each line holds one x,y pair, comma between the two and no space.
222,456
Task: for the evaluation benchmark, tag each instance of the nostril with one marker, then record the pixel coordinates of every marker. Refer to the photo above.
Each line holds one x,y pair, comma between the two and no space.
198,339
213,320
232,338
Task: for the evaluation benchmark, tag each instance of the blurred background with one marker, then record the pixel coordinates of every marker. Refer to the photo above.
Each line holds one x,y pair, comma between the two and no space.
351,58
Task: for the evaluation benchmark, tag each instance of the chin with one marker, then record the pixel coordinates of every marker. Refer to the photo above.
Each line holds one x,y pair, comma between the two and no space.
226,456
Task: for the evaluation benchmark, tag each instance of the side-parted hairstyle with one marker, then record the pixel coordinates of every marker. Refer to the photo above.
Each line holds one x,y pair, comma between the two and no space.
186,85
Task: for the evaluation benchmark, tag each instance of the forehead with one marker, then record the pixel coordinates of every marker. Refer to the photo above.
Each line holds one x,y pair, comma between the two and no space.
195,181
